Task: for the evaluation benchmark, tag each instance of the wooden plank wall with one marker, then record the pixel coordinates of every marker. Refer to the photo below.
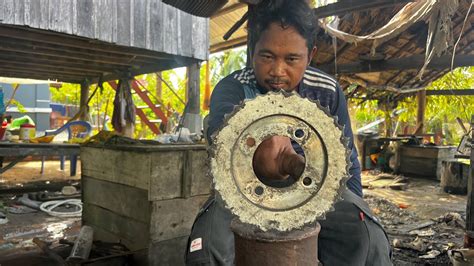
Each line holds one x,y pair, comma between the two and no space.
148,24
424,161
145,199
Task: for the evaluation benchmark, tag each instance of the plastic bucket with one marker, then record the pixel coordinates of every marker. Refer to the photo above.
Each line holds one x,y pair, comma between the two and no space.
27,131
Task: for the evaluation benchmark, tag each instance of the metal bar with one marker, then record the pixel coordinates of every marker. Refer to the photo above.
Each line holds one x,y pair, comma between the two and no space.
11,164
82,246
236,26
297,247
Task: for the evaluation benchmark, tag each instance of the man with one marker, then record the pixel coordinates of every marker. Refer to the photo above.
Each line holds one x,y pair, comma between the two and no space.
284,33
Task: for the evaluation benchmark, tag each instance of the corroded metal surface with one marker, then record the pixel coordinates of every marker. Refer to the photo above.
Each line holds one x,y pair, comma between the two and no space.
312,195
297,247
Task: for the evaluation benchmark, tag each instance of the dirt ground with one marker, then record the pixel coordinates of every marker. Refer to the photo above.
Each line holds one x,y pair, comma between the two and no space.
421,221
17,234
28,171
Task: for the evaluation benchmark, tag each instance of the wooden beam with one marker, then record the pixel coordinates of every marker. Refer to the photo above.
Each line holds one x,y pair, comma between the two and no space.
56,61
343,7
420,114
84,108
92,57
67,40
159,66
411,62
51,76
32,67
454,92
232,43
193,89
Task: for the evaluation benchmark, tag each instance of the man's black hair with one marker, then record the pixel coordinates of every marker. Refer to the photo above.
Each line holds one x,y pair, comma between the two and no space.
296,13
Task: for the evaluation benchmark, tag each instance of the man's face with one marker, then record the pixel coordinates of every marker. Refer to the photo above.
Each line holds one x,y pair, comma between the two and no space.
280,58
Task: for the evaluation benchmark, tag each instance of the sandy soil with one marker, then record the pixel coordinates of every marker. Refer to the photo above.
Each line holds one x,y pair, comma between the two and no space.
28,171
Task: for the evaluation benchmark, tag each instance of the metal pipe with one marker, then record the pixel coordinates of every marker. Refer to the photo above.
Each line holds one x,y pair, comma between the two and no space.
82,246
256,248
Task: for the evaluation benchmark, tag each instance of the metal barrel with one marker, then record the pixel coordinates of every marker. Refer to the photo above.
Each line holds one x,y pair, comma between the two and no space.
257,248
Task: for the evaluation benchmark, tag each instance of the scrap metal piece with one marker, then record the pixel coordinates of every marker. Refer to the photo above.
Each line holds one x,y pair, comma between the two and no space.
313,194
82,246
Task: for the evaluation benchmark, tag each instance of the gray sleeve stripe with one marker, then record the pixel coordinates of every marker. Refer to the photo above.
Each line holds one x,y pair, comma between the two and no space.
318,79
321,75
319,84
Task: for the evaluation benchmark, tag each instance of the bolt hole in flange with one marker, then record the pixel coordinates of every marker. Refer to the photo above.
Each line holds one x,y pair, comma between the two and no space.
250,142
299,133
307,181
258,190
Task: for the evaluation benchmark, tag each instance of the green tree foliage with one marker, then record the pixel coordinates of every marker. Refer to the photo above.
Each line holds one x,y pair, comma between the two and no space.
226,63
68,93
441,111
174,82
101,104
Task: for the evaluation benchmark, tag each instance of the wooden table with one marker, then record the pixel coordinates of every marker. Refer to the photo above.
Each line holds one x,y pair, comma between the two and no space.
22,150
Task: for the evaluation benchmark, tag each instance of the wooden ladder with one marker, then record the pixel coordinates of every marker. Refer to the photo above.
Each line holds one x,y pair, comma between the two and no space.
143,94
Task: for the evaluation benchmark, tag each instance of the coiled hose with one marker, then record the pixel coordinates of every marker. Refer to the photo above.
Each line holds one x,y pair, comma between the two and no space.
49,206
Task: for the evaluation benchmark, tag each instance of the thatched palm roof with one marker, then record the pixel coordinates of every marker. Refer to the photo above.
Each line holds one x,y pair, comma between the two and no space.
403,55
394,66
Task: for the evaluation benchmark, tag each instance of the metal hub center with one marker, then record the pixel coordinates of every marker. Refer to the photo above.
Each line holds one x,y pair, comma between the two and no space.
271,198
312,195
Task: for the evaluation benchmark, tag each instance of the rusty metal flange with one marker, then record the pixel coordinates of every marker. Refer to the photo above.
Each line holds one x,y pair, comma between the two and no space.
312,195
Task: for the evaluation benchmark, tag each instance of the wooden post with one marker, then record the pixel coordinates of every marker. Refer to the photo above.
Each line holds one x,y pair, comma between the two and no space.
469,235
83,107
193,89
420,115
250,37
129,127
192,119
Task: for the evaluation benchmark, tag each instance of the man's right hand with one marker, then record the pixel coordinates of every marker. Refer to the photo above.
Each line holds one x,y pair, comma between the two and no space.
276,159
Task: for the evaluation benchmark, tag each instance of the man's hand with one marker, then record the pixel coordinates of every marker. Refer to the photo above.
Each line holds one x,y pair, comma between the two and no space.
275,158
